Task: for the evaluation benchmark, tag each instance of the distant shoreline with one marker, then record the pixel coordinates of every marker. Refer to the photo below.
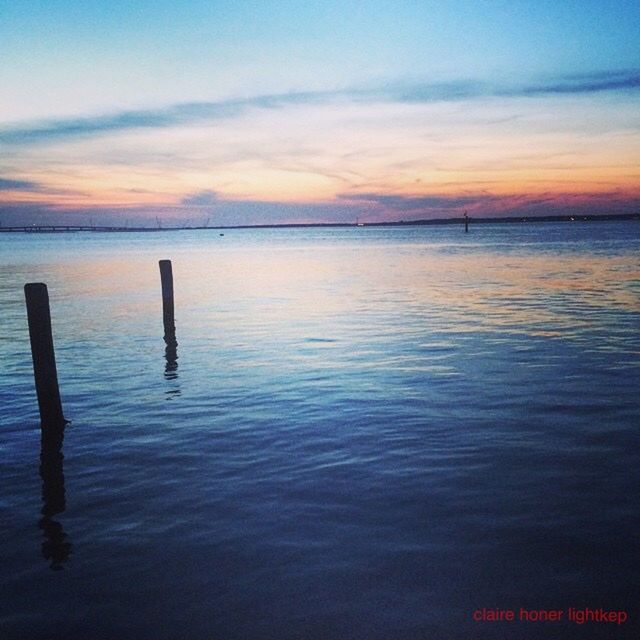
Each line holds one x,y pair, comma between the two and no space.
397,223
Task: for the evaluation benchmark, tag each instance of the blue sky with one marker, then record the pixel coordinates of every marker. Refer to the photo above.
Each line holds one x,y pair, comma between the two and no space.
139,84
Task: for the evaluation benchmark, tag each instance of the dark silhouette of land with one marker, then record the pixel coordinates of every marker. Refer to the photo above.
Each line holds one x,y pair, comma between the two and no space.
53,228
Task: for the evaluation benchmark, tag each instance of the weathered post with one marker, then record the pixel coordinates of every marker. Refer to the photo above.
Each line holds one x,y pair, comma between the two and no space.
44,361
168,318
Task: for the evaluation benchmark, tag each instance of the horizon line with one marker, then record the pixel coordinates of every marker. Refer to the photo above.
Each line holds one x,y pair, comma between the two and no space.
52,228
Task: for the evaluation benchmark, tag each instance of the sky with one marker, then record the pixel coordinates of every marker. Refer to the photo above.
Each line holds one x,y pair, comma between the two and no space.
214,112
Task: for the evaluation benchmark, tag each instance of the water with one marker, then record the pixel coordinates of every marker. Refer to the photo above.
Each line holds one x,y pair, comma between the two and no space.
366,434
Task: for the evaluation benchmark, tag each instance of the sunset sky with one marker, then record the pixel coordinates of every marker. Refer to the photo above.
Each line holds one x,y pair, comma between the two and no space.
233,112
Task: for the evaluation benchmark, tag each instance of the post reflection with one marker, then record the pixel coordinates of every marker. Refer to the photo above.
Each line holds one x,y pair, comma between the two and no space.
171,357
55,547
171,364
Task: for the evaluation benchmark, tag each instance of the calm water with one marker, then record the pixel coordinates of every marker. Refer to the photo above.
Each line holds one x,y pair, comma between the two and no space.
366,434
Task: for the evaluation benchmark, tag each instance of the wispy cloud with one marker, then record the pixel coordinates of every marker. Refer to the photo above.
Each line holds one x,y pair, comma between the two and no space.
35,189
437,92
201,198
171,116
596,82
7,184
589,83
481,204
50,131
415,203
192,113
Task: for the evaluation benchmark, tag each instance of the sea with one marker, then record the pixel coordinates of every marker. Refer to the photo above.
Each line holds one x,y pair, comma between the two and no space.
363,433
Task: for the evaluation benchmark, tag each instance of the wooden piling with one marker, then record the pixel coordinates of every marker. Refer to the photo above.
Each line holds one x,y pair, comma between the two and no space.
42,353
168,317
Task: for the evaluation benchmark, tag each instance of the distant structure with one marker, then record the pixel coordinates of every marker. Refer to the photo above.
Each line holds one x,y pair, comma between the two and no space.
466,222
